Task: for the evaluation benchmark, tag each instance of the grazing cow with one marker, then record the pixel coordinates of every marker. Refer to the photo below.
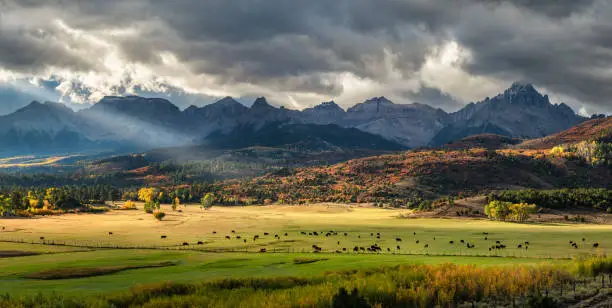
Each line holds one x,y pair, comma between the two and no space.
262,250
110,233
378,236
286,234
389,249
309,233
338,242
485,233
303,233
227,237
519,246
595,245
345,234
417,241
502,246
200,243
426,245
583,239
497,242
526,243
398,247
398,239
489,248
266,233
315,233
343,248
451,242
275,235
338,251
233,231
377,233
163,236
371,234
462,241
214,232
434,238
414,233
486,238
185,244
361,248
255,237
355,249
42,238
358,236
238,237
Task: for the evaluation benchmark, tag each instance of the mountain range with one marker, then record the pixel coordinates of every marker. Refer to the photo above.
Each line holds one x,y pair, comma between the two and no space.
137,123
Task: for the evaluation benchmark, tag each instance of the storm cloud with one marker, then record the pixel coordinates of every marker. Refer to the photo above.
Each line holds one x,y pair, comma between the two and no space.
298,53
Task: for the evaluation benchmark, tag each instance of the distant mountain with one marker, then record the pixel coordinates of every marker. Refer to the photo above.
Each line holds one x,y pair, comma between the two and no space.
43,128
144,123
222,115
520,112
412,125
324,113
311,136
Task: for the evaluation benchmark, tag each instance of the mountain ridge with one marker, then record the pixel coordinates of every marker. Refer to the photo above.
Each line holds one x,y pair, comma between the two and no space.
519,112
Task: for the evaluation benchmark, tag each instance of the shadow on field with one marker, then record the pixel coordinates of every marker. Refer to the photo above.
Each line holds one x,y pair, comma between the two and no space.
16,253
82,272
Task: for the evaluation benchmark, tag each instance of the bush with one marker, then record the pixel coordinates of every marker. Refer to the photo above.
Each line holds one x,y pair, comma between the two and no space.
159,215
129,205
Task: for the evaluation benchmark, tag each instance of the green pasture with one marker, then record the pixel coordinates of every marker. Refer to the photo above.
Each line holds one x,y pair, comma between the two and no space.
78,241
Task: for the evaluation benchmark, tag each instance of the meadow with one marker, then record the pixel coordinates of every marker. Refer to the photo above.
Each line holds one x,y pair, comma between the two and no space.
91,254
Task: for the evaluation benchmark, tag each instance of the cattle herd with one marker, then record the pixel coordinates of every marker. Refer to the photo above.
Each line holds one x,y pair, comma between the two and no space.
372,248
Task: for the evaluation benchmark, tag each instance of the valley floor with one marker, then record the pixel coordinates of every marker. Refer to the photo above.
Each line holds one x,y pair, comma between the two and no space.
135,252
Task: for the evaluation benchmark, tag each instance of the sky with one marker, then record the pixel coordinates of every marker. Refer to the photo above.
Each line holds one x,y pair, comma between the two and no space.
299,53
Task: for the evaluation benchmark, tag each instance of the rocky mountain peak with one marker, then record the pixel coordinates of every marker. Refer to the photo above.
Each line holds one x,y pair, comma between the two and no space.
331,105
227,101
523,94
261,103
36,106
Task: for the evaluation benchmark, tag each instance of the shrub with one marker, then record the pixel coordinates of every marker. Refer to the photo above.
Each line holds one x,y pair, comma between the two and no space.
129,205
159,215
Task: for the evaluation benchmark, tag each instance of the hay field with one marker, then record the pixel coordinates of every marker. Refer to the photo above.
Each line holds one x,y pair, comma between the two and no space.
81,243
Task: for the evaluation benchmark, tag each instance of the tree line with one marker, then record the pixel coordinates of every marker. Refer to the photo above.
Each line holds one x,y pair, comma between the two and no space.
597,198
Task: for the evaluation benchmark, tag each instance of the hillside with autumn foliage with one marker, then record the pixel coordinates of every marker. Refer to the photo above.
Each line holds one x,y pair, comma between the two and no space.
593,130
474,165
412,177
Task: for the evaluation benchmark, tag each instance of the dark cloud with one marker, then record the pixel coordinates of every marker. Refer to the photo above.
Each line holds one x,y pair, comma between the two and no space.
435,98
553,8
304,45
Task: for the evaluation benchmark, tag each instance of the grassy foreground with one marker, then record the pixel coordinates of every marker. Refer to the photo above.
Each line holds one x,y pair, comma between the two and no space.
194,266
79,262
412,285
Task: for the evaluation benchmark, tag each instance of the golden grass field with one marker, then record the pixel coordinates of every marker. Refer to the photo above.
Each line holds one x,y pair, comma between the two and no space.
134,228
82,244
